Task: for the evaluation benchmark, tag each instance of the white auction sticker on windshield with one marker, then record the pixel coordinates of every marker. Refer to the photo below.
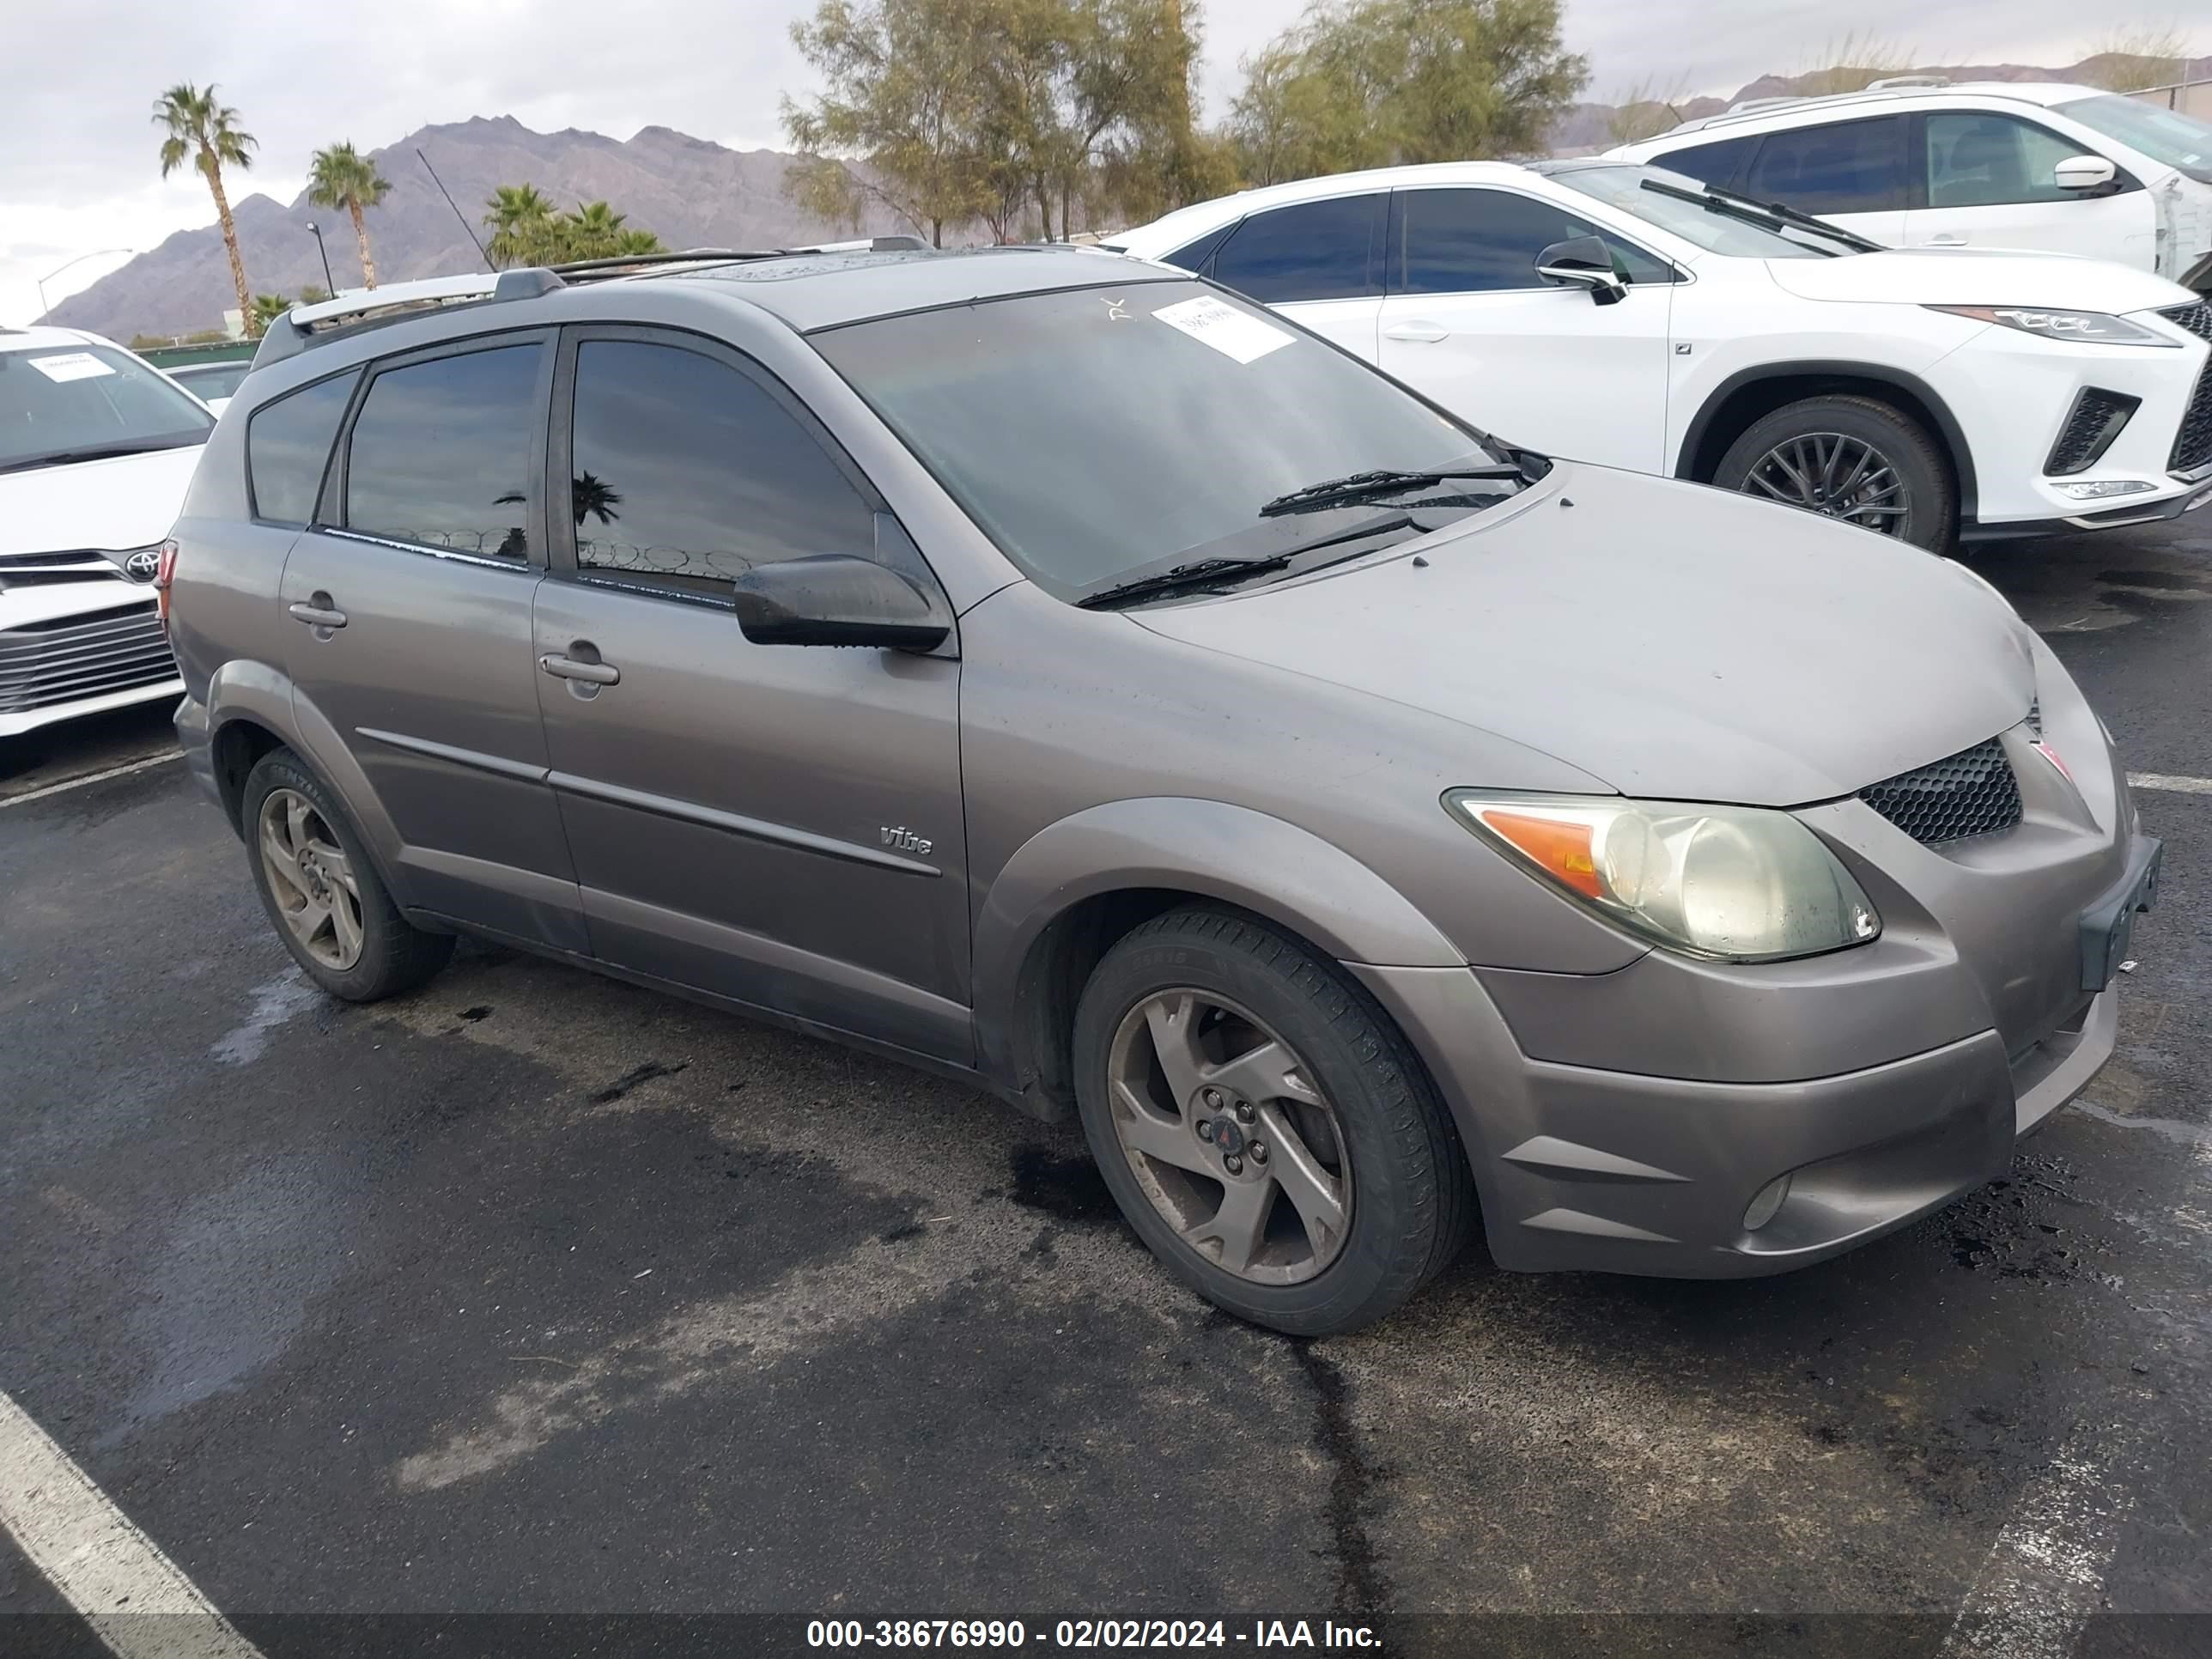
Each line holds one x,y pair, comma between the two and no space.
70,366
1227,330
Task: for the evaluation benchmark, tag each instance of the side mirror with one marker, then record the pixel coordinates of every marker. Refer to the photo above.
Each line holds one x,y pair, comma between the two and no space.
837,598
1583,262
2084,172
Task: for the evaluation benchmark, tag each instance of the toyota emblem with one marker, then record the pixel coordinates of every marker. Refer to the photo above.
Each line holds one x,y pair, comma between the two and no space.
143,565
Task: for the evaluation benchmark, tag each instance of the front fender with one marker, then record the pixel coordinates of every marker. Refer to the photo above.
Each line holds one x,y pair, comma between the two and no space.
1233,853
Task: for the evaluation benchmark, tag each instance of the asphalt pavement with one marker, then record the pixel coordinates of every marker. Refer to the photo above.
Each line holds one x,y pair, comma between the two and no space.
534,1293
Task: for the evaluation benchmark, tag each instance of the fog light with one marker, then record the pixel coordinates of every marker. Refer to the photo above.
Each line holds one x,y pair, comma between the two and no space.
2101,489
1762,1209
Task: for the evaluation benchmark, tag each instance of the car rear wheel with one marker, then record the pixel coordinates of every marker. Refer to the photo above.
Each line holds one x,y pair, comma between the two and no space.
1847,458
317,884
1267,1131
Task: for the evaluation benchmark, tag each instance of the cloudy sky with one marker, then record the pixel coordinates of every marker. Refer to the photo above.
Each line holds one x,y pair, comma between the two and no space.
77,155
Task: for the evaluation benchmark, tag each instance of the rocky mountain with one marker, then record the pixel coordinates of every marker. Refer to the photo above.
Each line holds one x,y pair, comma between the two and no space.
1588,127
693,193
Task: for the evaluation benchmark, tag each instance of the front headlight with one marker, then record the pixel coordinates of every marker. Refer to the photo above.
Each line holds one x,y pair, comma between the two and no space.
2089,327
1731,883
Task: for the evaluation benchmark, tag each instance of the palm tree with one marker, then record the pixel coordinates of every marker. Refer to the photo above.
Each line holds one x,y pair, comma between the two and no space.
206,134
341,176
518,222
630,243
267,308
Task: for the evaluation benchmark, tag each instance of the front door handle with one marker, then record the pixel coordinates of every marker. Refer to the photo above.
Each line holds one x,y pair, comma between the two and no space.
1417,333
593,673
317,612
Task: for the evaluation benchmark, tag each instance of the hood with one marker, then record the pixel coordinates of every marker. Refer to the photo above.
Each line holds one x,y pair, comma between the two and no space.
1980,277
1677,641
126,500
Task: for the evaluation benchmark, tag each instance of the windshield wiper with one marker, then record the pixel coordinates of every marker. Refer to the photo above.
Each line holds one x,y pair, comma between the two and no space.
95,452
1742,208
1354,485
1220,570
1790,216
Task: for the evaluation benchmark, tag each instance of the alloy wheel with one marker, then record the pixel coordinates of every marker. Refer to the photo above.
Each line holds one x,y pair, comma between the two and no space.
1230,1138
311,878
1837,476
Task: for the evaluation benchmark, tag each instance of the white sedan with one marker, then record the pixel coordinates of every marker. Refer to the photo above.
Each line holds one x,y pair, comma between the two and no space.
1637,318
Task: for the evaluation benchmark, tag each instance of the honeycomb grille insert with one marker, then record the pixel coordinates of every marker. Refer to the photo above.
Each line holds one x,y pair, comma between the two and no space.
2192,444
2097,417
1970,794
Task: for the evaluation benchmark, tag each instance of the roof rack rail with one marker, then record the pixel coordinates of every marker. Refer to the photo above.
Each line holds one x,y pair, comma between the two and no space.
1893,82
299,327
1746,105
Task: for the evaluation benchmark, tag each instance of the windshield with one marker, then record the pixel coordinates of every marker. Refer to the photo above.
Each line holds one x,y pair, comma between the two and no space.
2164,135
1717,232
210,381
75,401
1093,432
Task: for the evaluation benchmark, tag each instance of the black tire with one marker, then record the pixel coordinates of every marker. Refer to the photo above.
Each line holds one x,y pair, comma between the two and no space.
1411,1196
1931,517
395,955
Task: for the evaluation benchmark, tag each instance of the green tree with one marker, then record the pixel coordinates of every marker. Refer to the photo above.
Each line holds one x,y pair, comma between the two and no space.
341,176
204,132
266,309
1361,84
526,230
313,295
518,219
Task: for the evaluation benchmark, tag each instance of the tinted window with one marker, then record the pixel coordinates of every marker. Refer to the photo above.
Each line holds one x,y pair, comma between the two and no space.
443,454
1065,427
288,443
210,381
686,472
1315,251
1853,166
1750,233
79,401
1712,164
1193,256
1460,241
1984,160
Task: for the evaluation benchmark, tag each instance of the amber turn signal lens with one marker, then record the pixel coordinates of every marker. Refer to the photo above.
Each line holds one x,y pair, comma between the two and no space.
1560,849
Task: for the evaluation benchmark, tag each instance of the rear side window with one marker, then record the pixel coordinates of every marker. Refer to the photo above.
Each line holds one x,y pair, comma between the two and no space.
1989,161
442,453
1465,241
1312,251
1849,167
685,472
1712,164
1193,256
288,446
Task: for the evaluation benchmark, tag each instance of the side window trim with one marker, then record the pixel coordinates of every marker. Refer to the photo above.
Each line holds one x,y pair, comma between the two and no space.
338,437
556,485
330,517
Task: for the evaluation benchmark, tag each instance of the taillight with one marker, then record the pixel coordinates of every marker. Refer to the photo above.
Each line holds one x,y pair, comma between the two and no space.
163,575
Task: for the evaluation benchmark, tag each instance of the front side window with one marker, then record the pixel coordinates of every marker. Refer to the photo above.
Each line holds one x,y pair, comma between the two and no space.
288,445
84,402
2181,142
1090,432
1848,166
1463,241
685,472
1310,251
1990,161
443,454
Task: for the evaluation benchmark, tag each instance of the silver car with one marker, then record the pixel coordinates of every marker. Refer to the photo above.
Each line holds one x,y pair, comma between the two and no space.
1058,673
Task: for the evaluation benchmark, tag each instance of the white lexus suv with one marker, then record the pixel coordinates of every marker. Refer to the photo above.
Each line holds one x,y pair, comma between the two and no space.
96,450
1638,318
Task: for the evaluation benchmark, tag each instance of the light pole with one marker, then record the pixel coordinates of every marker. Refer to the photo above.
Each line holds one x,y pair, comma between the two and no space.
80,259
329,287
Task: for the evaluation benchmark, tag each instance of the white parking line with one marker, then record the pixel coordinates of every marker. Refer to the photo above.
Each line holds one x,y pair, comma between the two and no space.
132,1595
2176,786
2046,1573
122,771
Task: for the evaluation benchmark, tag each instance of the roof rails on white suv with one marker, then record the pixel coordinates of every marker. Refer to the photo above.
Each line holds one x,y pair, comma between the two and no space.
301,325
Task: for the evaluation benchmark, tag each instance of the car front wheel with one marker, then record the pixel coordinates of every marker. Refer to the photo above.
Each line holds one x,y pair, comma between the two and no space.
1852,459
1267,1131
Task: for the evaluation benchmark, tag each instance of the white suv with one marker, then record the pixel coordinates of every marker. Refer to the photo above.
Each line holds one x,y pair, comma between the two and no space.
1634,317
96,450
1922,163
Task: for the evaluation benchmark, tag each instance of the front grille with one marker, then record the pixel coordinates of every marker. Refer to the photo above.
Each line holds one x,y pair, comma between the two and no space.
1972,792
2095,420
70,658
2192,444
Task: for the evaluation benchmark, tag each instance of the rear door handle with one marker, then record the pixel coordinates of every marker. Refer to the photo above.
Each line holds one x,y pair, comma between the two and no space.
320,614
567,668
1418,333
